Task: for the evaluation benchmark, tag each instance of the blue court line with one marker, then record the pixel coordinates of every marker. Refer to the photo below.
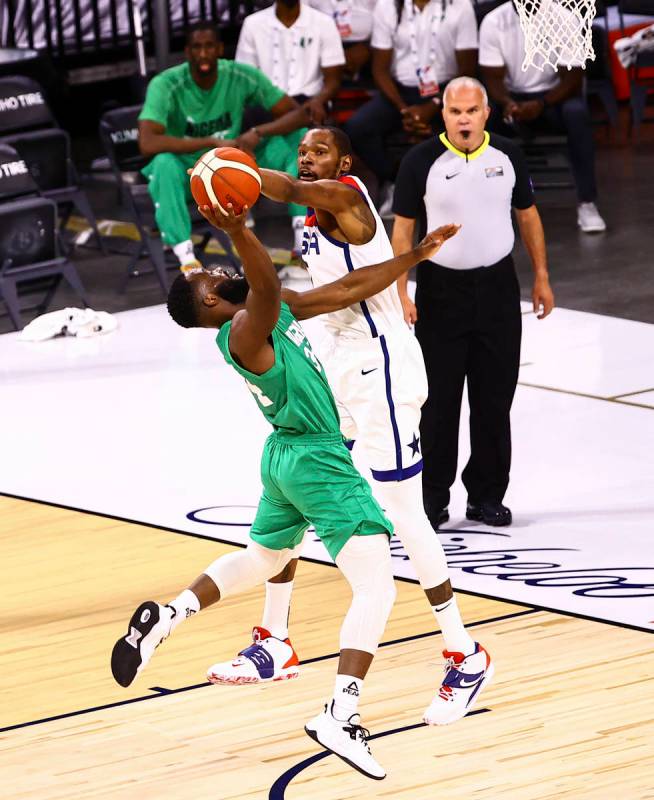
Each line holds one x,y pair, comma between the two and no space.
163,692
278,789
536,607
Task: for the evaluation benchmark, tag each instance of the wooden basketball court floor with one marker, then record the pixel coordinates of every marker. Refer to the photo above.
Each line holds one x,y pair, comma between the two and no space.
569,715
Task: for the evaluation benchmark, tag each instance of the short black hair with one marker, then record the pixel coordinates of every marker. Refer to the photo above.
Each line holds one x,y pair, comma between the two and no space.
202,25
181,303
341,139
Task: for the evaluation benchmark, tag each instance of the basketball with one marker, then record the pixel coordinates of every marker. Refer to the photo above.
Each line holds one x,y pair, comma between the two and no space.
226,175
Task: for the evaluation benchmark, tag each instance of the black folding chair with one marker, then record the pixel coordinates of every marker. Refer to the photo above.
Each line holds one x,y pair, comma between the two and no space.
30,250
48,157
119,136
23,106
28,124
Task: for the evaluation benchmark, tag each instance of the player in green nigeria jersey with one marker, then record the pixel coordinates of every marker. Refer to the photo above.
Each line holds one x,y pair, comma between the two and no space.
198,105
307,475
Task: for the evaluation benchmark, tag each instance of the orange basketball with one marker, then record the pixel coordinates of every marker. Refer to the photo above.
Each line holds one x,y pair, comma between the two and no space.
226,175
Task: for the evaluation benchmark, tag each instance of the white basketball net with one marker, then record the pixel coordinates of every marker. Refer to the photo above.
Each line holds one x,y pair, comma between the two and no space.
557,32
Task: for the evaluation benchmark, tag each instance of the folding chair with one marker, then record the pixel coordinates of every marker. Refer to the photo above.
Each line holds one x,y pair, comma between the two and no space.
28,124
30,250
119,136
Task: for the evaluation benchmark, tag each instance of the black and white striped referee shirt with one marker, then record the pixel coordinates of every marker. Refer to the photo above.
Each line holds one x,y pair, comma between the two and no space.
475,190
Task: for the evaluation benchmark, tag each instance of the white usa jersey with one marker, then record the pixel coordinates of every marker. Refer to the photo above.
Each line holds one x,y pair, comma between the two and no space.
328,259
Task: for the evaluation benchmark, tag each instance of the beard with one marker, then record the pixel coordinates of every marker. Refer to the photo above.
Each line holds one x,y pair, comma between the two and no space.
234,290
289,3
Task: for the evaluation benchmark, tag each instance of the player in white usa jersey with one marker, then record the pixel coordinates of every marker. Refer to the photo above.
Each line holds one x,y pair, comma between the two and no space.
377,374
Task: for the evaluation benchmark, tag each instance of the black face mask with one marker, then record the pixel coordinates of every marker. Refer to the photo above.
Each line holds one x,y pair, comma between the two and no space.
234,290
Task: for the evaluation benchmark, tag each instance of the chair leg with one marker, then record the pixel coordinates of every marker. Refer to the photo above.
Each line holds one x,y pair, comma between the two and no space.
638,100
73,278
158,259
10,296
45,303
607,96
82,202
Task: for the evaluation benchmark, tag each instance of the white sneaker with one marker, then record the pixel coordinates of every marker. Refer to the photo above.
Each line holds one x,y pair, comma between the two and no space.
149,626
588,218
347,740
465,677
386,201
267,659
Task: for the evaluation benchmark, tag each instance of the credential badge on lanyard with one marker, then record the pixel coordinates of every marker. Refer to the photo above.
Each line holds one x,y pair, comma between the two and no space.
343,17
427,80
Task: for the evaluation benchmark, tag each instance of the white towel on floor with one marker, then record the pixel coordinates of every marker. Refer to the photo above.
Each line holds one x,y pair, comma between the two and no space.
80,322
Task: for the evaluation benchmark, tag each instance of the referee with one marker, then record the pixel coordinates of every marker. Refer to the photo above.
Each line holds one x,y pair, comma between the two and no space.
467,310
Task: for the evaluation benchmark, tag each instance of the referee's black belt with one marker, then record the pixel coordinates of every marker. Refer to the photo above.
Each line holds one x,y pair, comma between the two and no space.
428,270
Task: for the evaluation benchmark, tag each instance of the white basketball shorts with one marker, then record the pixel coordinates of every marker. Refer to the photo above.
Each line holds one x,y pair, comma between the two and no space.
380,386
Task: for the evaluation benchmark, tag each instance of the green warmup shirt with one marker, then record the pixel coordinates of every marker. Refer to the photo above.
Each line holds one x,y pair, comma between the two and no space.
293,395
176,101
306,470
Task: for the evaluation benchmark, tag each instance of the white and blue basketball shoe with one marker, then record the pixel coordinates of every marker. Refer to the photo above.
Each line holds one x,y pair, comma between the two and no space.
266,659
465,678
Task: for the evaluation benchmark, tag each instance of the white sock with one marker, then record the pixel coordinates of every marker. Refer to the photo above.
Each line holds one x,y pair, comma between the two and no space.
455,636
184,252
277,608
347,691
298,232
186,604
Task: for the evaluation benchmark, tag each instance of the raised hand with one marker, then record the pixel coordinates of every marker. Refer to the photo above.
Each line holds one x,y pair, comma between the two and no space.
230,222
434,239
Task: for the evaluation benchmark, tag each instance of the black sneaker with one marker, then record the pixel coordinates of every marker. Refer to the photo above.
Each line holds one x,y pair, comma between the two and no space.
148,627
438,518
494,514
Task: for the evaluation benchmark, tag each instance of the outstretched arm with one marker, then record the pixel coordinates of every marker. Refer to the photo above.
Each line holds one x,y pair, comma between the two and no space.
329,195
366,281
252,326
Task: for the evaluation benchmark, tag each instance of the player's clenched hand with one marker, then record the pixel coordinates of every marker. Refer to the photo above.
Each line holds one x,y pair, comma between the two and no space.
230,222
433,240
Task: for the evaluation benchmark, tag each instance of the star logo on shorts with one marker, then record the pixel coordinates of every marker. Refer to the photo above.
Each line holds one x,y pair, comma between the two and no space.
415,446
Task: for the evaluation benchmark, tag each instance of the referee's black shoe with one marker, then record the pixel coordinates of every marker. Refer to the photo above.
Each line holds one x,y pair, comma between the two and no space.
438,518
494,514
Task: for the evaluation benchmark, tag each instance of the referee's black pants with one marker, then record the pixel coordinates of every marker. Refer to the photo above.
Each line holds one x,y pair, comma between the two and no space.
469,327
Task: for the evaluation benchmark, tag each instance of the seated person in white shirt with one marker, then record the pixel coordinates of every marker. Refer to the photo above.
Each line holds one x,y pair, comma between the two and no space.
417,47
353,19
299,49
537,100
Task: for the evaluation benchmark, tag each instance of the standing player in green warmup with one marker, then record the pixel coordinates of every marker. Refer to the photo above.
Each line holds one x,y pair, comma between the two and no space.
198,105
307,473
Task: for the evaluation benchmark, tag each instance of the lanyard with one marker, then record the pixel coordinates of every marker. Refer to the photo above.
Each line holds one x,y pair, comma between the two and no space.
436,20
277,59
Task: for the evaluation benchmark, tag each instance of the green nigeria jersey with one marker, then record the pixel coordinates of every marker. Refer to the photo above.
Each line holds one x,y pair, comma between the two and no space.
293,394
185,110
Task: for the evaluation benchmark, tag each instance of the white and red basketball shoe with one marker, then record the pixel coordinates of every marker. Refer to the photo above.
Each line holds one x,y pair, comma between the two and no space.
465,677
266,659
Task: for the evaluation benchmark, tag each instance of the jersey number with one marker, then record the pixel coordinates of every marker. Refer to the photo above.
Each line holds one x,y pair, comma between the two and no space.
296,335
261,397
309,243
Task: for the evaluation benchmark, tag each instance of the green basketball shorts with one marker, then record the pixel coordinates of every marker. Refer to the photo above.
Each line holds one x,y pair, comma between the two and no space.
310,480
